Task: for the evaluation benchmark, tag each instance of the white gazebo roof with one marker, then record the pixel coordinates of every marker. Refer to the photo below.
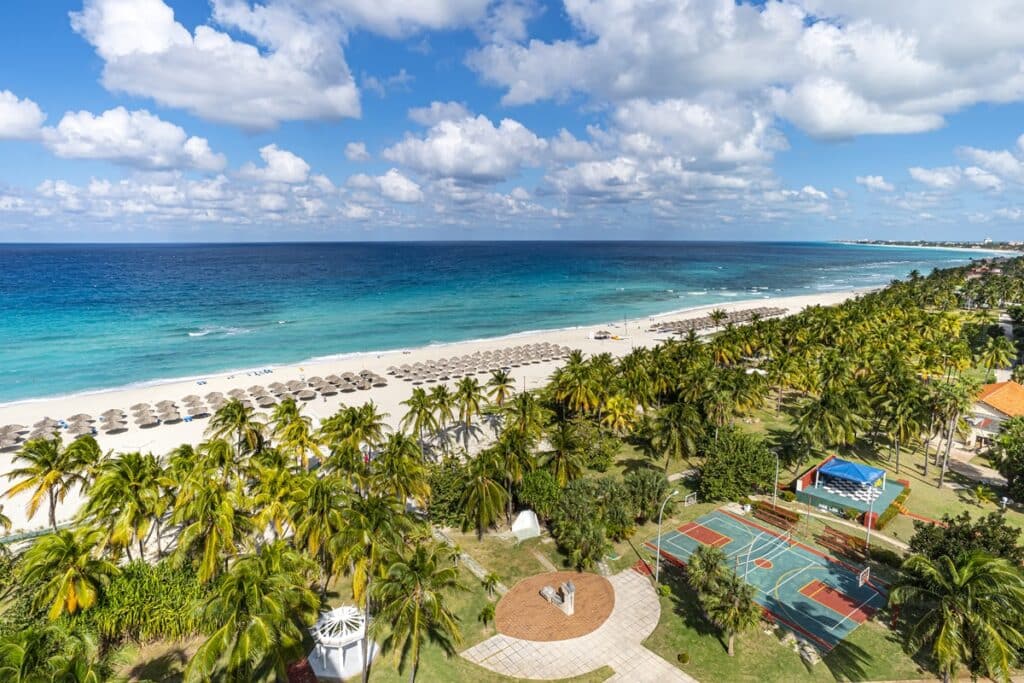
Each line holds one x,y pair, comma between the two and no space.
339,627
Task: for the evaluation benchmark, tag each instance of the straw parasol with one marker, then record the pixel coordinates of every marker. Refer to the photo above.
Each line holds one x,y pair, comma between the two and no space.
81,417
12,429
46,423
79,428
237,393
266,401
139,406
306,394
7,442
214,394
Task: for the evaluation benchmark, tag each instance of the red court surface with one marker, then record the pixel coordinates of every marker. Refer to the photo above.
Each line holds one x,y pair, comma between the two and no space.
837,601
704,535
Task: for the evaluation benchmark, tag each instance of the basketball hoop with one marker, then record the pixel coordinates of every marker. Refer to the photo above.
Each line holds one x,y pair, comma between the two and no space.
864,576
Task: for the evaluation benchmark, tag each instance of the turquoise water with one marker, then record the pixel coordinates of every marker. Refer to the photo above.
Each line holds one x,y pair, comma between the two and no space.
83,317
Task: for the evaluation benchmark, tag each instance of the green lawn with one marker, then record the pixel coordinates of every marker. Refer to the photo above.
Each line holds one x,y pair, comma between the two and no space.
871,653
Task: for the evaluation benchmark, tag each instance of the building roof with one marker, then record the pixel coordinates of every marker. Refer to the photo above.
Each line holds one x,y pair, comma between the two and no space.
852,471
1006,397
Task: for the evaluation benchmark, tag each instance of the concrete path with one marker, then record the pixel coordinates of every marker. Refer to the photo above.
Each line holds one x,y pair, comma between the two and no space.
616,643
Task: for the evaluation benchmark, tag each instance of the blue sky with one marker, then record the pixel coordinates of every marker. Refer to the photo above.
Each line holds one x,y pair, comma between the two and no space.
155,120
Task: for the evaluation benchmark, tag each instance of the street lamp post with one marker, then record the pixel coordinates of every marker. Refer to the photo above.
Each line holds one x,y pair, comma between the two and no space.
657,560
775,489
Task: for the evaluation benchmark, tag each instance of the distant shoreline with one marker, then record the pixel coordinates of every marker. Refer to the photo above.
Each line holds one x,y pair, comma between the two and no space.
934,247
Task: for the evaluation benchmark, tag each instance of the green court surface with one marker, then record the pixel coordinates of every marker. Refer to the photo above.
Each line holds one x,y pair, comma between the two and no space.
801,588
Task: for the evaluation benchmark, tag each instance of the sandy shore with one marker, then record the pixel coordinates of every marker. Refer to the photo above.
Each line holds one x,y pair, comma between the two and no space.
163,438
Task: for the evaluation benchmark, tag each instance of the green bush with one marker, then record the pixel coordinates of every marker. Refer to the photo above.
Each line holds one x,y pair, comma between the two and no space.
540,492
446,489
890,512
787,495
890,558
647,488
736,465
145,602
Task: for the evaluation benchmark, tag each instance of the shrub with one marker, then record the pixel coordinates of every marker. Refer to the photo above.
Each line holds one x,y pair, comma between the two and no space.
962,534
851,513
646,488
736,465
787,495
683,658
600,448
894,509
540,492
446,489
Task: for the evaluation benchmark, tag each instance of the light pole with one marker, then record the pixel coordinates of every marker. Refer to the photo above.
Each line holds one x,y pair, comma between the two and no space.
657,560
775,489
871,523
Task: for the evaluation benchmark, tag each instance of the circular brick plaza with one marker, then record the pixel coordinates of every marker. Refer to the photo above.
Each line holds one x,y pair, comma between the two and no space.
523,613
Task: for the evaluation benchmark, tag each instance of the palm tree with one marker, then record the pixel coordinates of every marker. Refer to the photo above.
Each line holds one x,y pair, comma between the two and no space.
966,612
259,610
373,526
444,404
398,470
677,428
5,521
412,597
502,386
717,316
128,500
619,414
67,566
705,569
420,416
526,415
316,510
293,432
565,459
998,352
213,520
513,457
490,583
273,493
483,498
51,471
233,419
469,395
731,606
903,425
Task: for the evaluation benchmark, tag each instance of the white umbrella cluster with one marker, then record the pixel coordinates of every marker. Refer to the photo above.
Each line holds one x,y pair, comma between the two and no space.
706,322
479,363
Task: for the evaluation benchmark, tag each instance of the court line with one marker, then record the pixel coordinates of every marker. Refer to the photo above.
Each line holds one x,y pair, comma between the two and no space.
855,609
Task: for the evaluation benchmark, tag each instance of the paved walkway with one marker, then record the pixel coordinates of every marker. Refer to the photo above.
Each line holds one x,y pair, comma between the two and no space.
616,643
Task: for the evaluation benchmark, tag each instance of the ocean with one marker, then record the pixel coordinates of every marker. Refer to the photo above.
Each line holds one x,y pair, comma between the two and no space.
83,317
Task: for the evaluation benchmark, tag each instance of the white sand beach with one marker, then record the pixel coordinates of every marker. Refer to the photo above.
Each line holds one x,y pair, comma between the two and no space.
164,437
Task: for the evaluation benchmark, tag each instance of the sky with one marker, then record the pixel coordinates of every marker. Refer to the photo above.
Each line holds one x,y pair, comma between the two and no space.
230,120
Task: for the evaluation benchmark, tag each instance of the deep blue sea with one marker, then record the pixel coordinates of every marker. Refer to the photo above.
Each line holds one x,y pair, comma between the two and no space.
83,317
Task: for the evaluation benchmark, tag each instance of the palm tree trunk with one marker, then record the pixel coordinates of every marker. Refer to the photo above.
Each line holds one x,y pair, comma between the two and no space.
53,509
509,514
949,446
366,636
732,644
412,669
156,530
897,456
142,548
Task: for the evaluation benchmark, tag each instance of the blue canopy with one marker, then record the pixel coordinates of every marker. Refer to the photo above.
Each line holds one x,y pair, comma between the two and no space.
851,471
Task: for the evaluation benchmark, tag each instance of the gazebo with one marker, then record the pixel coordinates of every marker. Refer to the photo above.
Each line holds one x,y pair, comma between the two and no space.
338,635
840,485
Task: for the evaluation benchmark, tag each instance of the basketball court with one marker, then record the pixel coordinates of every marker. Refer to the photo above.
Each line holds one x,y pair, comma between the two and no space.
801,588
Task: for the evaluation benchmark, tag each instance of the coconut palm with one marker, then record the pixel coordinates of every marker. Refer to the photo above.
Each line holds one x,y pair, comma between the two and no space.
469,396
512,456
705,569
501,387
718,316
316,512
619,414
904,408
420,416
50,471
965,612
565,459
68,568
373,527
526,415
398,469
128,500
676,430
259,611
5,521
730,605
444,404
998,352
235,420
412,596
293,432
273,493
483,497
214,523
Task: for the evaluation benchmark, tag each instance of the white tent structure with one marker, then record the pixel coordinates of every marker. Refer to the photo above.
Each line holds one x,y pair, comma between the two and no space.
526,525
339,634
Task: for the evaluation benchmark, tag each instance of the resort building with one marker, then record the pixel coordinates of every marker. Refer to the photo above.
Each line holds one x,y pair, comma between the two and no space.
996,403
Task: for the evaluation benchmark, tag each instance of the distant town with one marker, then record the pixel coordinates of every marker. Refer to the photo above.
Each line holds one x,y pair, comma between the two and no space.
986,244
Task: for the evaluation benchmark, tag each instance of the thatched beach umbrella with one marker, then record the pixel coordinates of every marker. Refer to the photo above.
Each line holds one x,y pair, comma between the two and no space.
237,393
79,428
8,443
306,394
214,394
81,417
197,411
191,398
139,406
165,404
115,427
266,401
12,429
46,423
146,420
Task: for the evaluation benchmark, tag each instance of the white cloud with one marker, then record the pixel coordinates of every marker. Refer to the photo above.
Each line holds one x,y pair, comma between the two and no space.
473,149
566,147
439,111
397,18
280,166
941,178
836,68
20,119
356,151
398,188
875,182
273,202
999,162
295,69
982,179
136,138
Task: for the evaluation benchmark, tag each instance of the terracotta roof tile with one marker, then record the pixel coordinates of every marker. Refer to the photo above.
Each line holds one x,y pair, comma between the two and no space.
1006,397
